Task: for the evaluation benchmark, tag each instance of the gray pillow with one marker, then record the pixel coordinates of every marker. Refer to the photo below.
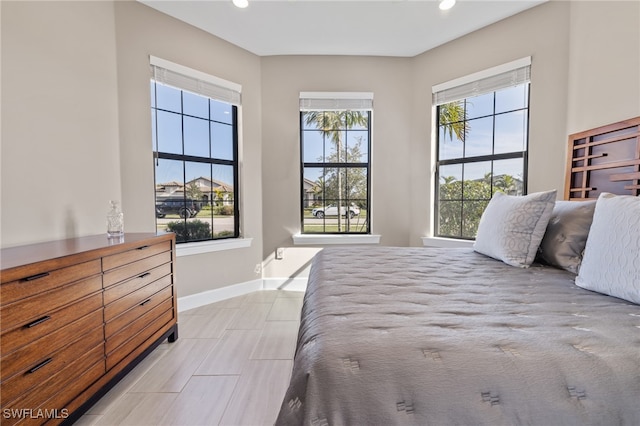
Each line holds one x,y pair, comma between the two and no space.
512,227
563,242
611,262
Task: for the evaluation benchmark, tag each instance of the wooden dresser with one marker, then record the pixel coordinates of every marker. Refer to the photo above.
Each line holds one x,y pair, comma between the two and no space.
75,316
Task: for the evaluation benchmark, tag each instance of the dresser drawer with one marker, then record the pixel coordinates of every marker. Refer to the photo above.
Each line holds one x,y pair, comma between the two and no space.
115,292
29,310
138,297
34,284
129,346
54,368
121,321
66,389
49,323
30,356
53,300
137,325
142,252
135,269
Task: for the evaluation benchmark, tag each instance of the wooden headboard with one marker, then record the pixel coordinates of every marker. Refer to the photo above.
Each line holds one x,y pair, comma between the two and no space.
605,159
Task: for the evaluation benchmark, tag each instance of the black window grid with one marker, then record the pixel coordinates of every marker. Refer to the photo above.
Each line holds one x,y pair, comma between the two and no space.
360,224
159,155
476,159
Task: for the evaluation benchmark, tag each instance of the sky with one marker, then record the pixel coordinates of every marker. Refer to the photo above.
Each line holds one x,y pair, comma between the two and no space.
208,128
206,118
510,135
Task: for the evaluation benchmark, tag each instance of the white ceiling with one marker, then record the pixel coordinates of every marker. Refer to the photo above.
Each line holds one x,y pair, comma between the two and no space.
347,27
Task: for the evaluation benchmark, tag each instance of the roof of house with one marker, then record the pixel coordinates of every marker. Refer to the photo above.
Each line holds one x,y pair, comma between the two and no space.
213,184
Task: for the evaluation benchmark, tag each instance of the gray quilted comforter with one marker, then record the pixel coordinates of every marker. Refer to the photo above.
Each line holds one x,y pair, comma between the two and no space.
422,336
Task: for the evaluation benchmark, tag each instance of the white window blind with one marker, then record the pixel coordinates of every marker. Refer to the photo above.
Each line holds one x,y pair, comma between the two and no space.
336,101
195,81
490,80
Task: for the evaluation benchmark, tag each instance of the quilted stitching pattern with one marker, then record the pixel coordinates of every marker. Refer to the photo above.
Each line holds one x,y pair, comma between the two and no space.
611,262
511,227
429,336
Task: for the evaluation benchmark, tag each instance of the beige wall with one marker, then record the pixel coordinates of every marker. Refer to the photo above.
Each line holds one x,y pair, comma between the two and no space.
543,34
568,93
401,141
140,32
283,78
76,132
604,70
60,143
76,125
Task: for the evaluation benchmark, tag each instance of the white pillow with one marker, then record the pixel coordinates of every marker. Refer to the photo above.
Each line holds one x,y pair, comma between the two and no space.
611,262
512,227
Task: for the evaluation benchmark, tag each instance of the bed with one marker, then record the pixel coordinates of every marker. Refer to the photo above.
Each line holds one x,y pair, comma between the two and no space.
430,336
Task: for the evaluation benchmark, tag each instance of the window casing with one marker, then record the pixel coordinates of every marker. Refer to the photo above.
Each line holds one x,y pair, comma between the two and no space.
482,146
335,146
195,150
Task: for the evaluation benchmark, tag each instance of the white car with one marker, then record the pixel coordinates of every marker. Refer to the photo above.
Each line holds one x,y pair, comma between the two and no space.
332,210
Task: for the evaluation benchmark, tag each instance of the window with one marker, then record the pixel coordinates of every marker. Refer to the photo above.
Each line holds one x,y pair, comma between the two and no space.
335,143
481,145
195,147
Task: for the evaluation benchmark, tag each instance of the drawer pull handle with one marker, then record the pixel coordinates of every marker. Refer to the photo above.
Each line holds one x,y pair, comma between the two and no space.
35,277
38,321
142,247
146,274
145,302
39,366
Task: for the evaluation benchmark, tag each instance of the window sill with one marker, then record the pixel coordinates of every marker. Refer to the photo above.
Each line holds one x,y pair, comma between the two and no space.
445,242
317,239
189,249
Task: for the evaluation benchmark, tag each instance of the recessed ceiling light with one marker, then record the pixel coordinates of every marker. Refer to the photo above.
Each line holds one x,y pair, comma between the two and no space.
445,4
241,3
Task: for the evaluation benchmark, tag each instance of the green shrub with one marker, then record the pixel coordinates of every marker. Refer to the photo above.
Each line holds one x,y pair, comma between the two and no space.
192,230
226,210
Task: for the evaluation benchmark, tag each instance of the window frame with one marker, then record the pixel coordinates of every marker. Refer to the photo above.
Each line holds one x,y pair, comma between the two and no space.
305,236
463,89
228,94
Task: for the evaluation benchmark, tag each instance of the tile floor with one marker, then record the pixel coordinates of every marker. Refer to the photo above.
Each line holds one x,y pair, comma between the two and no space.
230,366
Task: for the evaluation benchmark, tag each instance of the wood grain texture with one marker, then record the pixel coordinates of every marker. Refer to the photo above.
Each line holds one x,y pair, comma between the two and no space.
18,262
251,316
231,353
225,385
54,353
202,401
172,372
604,159
285,309
277,341
259,393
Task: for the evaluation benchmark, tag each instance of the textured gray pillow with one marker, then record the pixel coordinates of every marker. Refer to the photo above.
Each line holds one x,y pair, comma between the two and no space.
563,242
611,262
512,227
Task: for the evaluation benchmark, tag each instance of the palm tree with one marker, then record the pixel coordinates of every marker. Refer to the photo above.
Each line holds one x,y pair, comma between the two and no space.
448,179
453,117
332,124
507,184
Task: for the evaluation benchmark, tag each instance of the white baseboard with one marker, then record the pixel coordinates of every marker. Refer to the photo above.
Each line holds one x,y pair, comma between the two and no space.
218,294
291,284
